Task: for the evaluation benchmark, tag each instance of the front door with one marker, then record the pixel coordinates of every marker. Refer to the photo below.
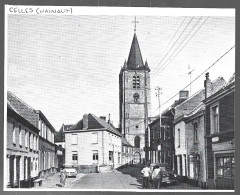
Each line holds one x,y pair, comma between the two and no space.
136,158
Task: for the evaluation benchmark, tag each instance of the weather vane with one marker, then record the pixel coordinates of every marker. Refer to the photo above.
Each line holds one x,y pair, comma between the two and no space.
135,24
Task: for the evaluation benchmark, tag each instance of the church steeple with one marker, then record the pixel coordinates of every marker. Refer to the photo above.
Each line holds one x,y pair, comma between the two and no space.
135,61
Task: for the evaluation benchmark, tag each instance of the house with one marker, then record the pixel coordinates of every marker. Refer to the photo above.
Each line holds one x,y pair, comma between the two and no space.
46,146
22,139
162,148
188,122
92,143
220,145
127,152
59,139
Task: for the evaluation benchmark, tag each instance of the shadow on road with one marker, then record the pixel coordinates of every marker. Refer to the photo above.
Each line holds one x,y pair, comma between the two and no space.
134,171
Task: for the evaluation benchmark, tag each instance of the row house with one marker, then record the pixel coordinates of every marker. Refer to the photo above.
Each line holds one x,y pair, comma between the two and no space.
34,138
162,148
92,144
46,146
22,144
220,145
189,131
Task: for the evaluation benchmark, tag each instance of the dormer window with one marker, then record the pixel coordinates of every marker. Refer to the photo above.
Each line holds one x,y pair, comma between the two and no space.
136,81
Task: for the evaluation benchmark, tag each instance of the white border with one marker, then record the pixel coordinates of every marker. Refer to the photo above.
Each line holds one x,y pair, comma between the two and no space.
131,11
84,10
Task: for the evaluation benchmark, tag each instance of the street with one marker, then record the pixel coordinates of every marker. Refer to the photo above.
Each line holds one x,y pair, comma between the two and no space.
127,178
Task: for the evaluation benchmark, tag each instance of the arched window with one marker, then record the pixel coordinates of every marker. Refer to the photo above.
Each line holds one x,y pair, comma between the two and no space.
137,142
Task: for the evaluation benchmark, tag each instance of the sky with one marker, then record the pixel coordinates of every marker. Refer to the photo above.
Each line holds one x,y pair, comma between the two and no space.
68,65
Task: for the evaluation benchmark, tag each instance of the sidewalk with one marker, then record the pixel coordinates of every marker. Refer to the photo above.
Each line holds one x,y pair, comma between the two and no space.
53,181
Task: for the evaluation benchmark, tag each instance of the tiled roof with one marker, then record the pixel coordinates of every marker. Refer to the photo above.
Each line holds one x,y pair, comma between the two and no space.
60,136
94,123
125,142
22,108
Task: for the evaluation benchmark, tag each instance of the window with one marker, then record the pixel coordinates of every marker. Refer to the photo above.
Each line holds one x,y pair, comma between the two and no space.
179,138
166,134
136,126
14,133
20,135
110,156
137,142
225,167
195,128
33,142
215,120
74,139
136,81
163,132
136,97
94,138
29,142
119,157
74,156
95,156
26,138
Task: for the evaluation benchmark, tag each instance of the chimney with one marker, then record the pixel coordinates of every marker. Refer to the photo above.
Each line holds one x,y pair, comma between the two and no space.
103,118
207,85
63,127
109,119
183,95
85,121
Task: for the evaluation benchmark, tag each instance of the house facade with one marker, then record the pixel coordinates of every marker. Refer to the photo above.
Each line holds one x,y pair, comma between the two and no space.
127,152
220,145
22,144
91,143
46,146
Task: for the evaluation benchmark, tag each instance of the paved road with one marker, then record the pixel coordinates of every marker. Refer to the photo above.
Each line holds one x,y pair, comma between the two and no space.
128,178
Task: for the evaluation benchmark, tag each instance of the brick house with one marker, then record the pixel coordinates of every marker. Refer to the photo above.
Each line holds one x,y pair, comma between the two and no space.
46,145
22,144
92,143
162,148
219,136
188,152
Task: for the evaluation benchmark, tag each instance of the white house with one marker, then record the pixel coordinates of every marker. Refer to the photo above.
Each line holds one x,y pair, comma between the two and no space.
91,143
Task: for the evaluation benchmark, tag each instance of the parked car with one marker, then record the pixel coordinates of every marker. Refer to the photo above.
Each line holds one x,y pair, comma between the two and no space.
167,175
70,172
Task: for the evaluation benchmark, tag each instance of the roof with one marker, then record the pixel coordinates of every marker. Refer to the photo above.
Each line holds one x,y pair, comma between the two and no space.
135,61
60,136
22,108
125,142
94,123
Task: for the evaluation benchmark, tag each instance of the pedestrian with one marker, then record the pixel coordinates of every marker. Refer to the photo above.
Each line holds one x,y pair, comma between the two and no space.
62,177
157,177
146,173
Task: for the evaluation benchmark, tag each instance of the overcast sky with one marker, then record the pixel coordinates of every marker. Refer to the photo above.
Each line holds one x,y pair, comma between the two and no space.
67,66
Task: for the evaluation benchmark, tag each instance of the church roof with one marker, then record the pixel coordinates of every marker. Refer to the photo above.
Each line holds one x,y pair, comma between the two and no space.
135,61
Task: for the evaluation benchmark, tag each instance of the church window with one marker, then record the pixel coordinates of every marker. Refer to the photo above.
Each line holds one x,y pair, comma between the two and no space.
136,97
136,81
137,142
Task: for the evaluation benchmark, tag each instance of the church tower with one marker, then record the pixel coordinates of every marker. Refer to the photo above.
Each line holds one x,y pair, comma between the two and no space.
134,99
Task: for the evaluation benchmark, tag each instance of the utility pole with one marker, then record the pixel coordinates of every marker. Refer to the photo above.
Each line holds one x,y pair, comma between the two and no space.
190,75
158,93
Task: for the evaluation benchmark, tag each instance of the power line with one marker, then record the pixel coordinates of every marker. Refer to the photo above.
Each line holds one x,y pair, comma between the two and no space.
163,67
199,75
175,42
173,36
186,42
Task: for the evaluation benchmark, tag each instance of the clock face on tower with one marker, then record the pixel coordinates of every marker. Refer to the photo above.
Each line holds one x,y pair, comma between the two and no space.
135,97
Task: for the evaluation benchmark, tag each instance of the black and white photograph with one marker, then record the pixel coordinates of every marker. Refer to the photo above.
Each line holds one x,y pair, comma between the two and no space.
119,99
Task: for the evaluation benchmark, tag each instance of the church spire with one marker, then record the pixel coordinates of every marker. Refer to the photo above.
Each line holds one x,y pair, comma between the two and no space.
135,61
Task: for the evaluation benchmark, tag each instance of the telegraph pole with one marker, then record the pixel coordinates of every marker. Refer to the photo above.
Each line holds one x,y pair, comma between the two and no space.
158,93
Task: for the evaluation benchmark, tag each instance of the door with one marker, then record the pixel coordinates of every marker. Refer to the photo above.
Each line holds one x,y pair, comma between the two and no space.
137,158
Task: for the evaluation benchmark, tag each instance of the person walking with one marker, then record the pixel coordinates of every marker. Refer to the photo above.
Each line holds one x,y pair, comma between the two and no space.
146,173
157,177
62,177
